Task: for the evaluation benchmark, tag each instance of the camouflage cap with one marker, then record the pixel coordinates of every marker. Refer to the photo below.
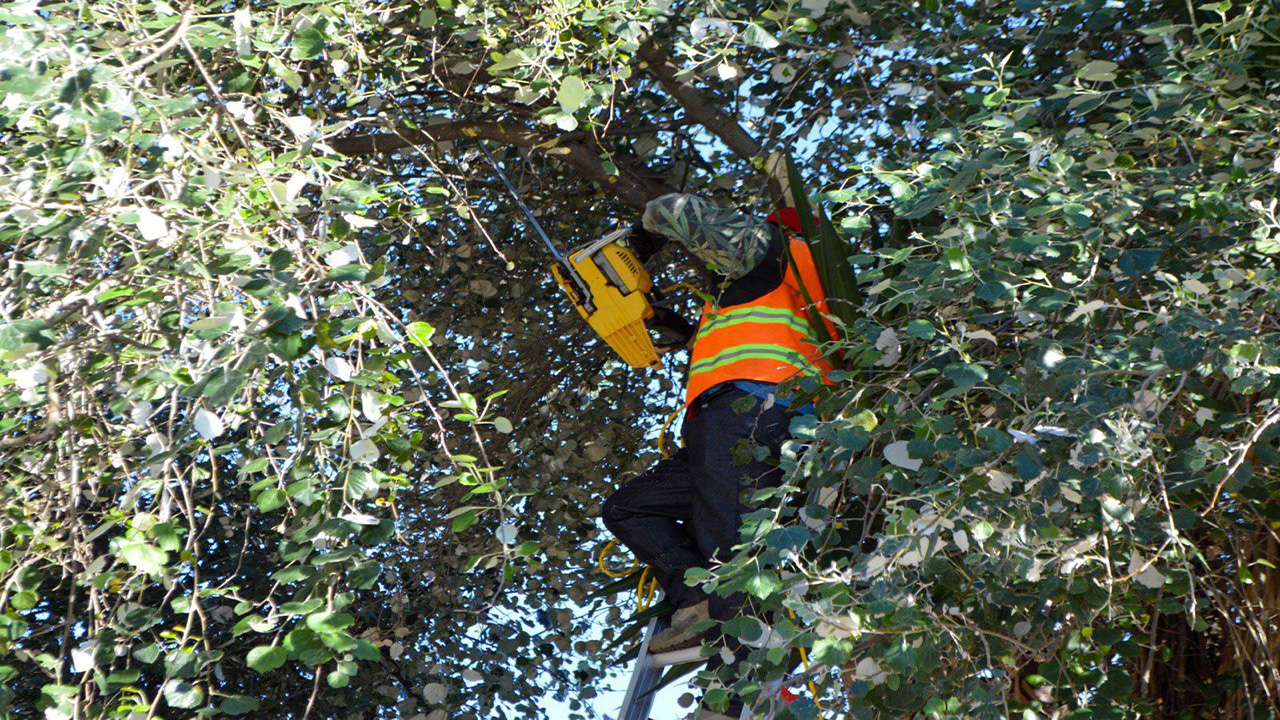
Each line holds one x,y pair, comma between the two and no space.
730,242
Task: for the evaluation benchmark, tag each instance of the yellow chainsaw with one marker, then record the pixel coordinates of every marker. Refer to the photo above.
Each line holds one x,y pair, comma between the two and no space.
607,284
609,287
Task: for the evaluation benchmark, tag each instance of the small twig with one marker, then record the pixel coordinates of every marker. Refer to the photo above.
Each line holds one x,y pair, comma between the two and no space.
179,33
1244,454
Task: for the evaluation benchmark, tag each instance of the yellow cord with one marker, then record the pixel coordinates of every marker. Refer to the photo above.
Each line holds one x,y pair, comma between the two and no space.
700,294
604,568
804,657
662,436
646,589
645,593
684,285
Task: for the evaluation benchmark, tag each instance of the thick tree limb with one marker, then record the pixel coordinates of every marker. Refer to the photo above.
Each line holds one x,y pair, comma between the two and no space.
581,153
443,132
696,105
627,187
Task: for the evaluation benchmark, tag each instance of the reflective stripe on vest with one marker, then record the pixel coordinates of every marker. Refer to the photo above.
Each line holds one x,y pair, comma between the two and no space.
769,339
753,352
752,314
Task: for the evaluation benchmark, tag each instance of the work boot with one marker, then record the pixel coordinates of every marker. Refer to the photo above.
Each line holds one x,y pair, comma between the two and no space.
681,634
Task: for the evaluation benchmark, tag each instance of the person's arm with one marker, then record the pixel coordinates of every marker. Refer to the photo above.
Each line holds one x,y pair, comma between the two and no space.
674,331
730,242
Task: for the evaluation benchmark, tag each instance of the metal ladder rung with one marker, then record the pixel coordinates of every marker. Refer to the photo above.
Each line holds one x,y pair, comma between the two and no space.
676,657
644,679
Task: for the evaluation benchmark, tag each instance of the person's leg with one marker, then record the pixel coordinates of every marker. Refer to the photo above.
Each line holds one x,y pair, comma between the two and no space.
718,485
650,515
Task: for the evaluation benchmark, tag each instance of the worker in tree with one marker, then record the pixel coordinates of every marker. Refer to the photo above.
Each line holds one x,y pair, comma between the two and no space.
686,511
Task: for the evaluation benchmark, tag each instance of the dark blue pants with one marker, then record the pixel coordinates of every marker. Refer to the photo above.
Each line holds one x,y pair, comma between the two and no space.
687,510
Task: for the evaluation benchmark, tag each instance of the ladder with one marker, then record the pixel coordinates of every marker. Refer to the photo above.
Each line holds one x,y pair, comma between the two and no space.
638,700
648,670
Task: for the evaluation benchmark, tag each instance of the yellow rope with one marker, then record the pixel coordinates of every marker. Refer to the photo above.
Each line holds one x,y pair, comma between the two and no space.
804,657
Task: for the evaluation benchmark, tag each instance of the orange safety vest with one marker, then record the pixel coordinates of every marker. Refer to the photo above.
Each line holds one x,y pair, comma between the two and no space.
769,339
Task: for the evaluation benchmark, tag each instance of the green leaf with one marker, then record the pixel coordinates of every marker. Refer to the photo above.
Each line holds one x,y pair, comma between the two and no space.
759,37
270,499
182,694
981,530
804,25
352,190
293,346
965,375
1159,27
365,650
922,203
572,93
29,578
337,679
1138,261
865,419
301,641
303,607
787,538
239,705
341,675
329,622
38,268
144,557
744,627
348,273
360,483
996,98
831,651
762,584
308,43
1268,245
804,708
147,654
14,335
293,574
1098,71
465,520
922,329
421,332
265,659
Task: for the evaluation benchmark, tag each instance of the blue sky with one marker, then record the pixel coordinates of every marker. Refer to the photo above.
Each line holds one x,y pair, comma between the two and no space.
609,702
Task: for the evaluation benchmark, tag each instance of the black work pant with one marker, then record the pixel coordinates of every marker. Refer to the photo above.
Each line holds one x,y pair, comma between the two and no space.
687,510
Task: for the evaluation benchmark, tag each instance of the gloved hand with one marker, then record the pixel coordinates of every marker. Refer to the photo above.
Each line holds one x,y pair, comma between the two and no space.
674,332
645,243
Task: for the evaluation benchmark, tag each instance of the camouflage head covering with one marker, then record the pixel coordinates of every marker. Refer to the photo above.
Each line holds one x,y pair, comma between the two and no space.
730,242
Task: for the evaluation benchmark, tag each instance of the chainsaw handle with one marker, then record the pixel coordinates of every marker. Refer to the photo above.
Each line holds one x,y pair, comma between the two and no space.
673,330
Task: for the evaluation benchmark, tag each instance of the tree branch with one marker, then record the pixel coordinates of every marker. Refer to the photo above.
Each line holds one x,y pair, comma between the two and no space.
443,132
696,105
582,154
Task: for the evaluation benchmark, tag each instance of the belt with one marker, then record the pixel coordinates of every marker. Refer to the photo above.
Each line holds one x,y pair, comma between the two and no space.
765,390
712,393
758,389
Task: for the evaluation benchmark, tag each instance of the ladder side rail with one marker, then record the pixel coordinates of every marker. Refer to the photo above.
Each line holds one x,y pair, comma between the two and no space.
638,700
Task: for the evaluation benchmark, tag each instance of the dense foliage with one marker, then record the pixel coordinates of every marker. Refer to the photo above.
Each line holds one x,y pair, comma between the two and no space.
242,474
